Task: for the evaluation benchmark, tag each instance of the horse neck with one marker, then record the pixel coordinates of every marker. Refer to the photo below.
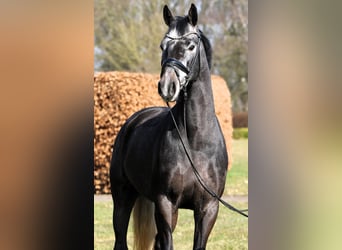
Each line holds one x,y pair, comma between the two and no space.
198,107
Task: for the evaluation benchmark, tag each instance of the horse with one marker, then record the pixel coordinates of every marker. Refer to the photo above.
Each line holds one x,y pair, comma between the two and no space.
150,169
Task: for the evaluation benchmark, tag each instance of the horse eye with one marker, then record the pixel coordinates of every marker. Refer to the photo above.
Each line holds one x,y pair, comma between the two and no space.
161,47
192,47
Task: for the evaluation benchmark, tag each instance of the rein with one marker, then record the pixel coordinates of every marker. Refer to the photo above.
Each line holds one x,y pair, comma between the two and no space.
172,62
197,174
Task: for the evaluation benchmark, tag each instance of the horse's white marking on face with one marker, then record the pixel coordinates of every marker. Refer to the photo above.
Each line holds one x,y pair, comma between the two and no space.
173,33
192,28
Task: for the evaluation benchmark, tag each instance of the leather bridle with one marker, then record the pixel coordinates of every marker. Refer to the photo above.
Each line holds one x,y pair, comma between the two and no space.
174,63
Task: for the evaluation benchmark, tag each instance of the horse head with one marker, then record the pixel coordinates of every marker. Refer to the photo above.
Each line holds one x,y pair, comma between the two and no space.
180,50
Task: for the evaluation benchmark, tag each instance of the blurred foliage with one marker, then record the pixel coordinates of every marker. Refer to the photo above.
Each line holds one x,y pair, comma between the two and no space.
240,133
128,34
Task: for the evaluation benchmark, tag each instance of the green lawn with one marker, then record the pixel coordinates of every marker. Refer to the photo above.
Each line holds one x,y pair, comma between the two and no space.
237,178
230,231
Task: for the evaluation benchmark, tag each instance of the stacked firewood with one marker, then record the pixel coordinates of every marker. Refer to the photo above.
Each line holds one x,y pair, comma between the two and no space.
117,95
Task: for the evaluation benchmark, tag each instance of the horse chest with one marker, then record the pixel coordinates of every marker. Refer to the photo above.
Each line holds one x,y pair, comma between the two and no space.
180,183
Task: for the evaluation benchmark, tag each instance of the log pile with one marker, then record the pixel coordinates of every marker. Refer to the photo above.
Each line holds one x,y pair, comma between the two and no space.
117,95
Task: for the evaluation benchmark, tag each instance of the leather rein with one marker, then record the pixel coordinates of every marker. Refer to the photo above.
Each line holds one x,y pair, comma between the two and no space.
174,63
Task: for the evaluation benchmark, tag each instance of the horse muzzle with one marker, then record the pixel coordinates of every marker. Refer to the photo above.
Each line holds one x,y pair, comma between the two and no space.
169,86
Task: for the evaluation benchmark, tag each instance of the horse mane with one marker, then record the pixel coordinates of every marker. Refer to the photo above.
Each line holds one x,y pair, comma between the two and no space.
207,48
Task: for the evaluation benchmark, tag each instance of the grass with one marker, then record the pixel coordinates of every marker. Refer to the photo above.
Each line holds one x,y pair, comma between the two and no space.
237,178
240,133
230,231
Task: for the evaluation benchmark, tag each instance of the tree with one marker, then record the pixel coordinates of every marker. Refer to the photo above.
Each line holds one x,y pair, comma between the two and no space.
127,35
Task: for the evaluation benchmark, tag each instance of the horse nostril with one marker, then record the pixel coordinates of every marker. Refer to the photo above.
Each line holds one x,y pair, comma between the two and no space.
172,88
159,89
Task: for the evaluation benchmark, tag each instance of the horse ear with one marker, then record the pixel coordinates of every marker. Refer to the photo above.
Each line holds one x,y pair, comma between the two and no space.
168,17
192,15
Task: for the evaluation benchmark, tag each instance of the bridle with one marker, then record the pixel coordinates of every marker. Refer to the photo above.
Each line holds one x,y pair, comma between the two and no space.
174,63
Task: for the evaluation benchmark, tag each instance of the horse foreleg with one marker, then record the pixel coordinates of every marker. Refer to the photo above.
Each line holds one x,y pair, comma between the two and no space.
204,222
123,203
166,218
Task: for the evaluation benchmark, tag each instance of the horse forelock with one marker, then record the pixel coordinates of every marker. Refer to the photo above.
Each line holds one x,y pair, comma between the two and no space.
180,26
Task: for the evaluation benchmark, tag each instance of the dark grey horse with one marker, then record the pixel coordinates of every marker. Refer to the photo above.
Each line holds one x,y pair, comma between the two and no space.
149,167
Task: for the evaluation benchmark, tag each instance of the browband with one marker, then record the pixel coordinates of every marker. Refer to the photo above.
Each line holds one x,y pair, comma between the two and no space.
180,37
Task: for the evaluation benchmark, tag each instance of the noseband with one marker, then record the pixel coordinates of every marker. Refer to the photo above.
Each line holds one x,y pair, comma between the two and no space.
174,63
